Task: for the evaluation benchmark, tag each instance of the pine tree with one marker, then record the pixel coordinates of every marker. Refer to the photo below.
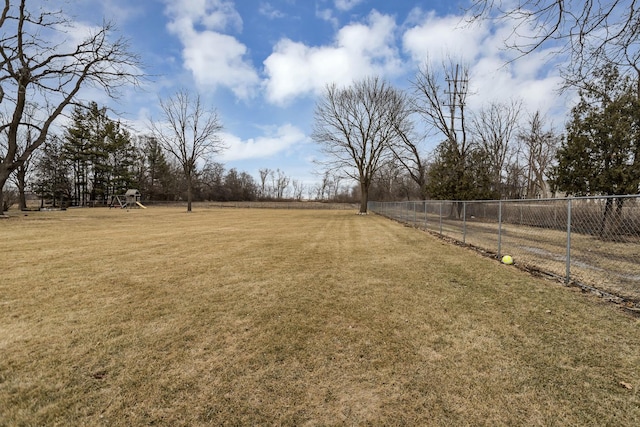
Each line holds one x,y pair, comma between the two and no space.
52,181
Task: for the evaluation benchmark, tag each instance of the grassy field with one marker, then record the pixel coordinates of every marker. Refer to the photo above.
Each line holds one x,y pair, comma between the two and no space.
293,317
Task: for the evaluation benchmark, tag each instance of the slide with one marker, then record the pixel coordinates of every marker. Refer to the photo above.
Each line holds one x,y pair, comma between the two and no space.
141,205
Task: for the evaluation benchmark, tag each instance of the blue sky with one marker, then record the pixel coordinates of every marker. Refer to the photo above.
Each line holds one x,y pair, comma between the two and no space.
263,63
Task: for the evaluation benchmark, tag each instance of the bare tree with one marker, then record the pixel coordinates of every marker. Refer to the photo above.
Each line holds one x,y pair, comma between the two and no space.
298,189
355,127
410,154
21,174
264,174
280,182
408,149
34,66
189,132
540,147
494,127
322,188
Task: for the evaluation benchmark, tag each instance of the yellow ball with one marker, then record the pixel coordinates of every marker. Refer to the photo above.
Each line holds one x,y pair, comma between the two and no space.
507,260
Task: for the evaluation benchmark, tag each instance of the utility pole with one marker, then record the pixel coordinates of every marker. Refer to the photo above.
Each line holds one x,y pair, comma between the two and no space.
457,96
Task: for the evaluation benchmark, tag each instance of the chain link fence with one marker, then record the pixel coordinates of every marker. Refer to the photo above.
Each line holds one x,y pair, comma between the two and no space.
593,242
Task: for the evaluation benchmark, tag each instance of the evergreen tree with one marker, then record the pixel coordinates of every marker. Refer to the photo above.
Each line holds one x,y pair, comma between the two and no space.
52,181
159,180
76,151
601,152
121,156
101,153
452,176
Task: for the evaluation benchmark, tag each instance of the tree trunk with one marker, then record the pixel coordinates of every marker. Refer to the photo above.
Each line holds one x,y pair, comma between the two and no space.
4,176
605,216
20,181
2,206
364,198
189,193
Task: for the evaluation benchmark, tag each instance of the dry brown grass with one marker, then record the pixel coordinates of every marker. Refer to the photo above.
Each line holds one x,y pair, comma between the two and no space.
607,265
254,317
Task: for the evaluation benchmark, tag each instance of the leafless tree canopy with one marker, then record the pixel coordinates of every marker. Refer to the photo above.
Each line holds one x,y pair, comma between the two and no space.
38,65
494,127
590,31
189,132
410,155
540,146
355,127
440,99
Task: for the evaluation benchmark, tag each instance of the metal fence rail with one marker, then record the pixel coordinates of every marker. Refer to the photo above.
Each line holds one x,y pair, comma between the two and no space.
590,241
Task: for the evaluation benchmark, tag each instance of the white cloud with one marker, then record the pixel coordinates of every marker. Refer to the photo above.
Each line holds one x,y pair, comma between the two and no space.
270,12
360,49
493,74
276,141
221,64
216,15
346,5
327,15
215,59
436,38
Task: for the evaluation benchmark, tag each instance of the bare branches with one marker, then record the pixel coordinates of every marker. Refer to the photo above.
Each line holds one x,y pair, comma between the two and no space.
590,32
441,97
355,127
494,127
189,132
39,64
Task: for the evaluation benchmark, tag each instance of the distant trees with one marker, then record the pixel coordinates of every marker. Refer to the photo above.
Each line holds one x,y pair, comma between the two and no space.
355,127
539,146
332,186
109,166
33,69
190,132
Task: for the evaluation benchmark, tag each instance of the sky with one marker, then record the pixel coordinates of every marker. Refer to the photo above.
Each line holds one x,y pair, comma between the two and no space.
263,64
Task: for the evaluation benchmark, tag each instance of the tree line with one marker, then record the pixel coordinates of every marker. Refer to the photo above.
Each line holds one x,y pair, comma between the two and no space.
96,158
376,134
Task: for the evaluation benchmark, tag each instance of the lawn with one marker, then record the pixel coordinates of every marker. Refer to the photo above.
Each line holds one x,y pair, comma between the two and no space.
293,317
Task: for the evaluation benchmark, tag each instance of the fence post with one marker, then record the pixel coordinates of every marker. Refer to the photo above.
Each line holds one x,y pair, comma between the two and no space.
415,214
464,222
425,215
441,218
568,262
500,229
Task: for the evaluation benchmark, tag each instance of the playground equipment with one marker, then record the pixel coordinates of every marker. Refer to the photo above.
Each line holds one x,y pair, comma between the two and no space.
131,199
